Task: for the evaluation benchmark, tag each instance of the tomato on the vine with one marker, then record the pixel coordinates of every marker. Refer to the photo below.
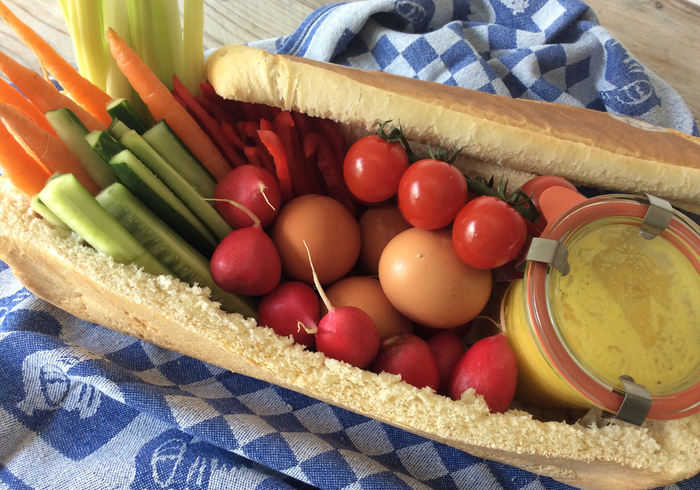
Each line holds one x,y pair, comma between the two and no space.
431,193
488,233
373,167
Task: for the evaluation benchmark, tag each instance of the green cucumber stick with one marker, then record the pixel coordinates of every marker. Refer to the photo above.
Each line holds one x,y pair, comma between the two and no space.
65,197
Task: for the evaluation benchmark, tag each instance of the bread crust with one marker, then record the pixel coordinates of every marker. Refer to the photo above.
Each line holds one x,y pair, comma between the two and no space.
57,266
587,147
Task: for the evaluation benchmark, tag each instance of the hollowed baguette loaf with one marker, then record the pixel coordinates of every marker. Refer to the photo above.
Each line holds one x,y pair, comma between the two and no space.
55,265
587,147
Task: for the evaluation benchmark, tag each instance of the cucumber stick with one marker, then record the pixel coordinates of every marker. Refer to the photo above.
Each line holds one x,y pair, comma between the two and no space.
186,263
175,152
104,144
161,200
66,198
177,183
122,110
72,132
117,128
41,209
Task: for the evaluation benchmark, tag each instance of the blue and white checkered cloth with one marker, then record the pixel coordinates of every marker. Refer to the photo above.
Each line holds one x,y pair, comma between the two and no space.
82,407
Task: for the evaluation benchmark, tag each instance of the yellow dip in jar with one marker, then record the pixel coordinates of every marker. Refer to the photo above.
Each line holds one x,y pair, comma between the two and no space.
629,306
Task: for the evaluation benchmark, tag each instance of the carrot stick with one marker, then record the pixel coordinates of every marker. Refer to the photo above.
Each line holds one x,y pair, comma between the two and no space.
12,96
47,147
43,93
163,105
25,173
89,96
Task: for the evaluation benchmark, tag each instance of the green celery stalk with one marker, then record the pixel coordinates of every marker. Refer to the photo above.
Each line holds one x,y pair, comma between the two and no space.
115,15
88,18
193,45
167,38
143,22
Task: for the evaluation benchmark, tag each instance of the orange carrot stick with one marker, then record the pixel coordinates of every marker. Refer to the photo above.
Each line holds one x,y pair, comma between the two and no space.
43,93
12,96
163,105
25,173
88,95
47,147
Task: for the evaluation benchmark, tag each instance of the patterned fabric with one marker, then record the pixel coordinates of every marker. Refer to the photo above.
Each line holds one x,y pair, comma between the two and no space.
83,407
551,50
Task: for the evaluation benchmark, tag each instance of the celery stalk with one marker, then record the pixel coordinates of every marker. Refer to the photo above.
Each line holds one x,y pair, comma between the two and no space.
142,22
168,42
69,15
88,17
193,45
167,39
114,15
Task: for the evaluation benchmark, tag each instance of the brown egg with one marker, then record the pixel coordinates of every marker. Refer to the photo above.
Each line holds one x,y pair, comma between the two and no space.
329,230
378,225
366,294
424,278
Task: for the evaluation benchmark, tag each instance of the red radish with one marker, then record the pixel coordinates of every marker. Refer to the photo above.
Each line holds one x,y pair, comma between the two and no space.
292,308
246,261
409,356
490,368
345,333
253,187
448,349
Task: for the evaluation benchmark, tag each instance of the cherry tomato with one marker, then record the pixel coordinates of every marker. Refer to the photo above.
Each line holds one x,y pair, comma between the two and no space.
535,187
373,167
488,233
431,193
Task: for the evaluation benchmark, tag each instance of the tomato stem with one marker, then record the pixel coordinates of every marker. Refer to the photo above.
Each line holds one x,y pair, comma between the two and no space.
520,201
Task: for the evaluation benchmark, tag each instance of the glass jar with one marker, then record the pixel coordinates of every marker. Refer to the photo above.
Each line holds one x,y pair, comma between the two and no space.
629,306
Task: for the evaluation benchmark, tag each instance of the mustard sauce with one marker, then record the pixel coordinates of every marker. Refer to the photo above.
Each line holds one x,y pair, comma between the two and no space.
629,306
539,383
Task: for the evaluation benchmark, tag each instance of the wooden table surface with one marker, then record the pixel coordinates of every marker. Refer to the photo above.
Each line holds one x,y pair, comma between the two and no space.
662,34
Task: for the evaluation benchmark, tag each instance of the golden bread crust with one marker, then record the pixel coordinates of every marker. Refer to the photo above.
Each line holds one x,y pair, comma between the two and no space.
585,146
58,267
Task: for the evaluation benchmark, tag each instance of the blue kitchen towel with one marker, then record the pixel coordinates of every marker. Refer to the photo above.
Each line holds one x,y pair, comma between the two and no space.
551,50
82,407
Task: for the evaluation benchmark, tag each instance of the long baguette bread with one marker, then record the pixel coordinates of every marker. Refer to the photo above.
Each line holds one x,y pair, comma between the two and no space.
523,137
587,147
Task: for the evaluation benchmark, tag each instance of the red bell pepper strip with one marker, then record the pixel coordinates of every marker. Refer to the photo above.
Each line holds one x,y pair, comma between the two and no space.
303,125
231,106
208,122
266,125
332,172
232,136
330,130
284,127
248,130
279,156
260,157
225,119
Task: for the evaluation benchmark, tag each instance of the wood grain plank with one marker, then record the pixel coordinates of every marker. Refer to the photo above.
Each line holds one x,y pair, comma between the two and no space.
663,36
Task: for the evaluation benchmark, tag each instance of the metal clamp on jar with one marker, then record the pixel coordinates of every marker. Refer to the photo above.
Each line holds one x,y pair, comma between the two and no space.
607,314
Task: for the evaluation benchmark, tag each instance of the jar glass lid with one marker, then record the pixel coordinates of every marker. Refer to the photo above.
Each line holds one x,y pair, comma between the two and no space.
629,305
